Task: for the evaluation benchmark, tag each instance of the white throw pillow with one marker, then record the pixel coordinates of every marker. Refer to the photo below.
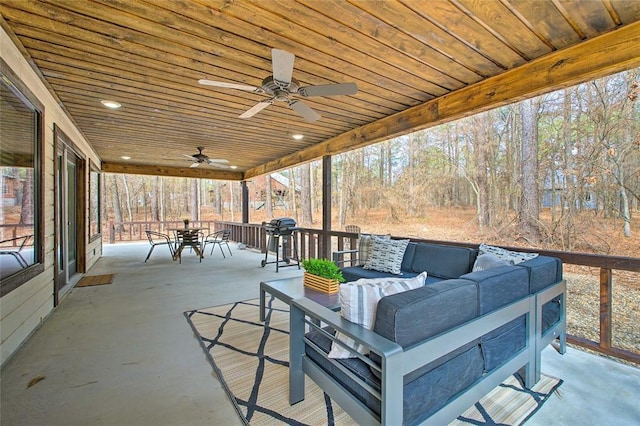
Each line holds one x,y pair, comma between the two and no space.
512,257
386,256
359,302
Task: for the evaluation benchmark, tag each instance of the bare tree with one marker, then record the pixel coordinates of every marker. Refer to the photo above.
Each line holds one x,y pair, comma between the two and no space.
26,210
127,197
193,200
305,194
529,209
115,200
268,201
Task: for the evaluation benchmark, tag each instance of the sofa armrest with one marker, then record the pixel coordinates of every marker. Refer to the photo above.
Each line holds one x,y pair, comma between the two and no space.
340,258
307,313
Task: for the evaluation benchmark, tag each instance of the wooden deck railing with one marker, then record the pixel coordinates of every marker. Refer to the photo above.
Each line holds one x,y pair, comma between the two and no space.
13,231
311,244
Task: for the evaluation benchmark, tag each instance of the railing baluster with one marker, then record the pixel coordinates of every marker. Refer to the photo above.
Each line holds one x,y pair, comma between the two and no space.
606,296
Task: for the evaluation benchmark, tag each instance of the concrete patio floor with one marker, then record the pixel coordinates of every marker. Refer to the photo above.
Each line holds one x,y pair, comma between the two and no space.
123,354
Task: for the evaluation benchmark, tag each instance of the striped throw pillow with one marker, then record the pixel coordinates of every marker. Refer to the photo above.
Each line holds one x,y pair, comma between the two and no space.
358,304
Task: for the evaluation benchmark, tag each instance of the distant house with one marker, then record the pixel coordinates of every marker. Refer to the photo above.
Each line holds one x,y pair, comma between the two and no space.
279,191
555,192
258,192
10,187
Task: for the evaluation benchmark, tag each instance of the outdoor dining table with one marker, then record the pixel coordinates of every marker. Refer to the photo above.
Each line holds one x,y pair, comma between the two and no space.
188,237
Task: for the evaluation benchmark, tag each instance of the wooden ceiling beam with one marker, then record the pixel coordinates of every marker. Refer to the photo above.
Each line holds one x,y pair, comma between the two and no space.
203,172
609,53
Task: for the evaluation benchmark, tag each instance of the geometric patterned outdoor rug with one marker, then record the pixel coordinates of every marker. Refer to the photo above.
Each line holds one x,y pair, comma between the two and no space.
251,359
89,280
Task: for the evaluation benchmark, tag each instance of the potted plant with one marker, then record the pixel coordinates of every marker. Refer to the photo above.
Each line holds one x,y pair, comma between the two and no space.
322,275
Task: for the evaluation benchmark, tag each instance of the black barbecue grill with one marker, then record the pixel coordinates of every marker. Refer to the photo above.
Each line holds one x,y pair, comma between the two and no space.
281,235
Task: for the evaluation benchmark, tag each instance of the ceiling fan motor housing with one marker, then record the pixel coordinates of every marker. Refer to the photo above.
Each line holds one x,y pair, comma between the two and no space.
280,90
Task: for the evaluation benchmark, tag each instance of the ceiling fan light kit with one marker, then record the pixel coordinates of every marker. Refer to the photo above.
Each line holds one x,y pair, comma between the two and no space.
281,86
200,158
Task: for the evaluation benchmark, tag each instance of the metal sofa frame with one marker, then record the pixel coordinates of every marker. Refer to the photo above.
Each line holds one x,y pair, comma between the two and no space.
398,362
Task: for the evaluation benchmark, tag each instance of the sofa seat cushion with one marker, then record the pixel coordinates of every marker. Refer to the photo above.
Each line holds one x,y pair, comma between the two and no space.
501,344
430,392
354,273
355,365
543,271
443,261
422,396
550,314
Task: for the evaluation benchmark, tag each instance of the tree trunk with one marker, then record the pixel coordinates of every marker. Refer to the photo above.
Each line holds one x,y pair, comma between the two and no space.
268,200
115,199
26,210
127,197
529,209
155,212
482,180
217,199
292,194
305,195
193,200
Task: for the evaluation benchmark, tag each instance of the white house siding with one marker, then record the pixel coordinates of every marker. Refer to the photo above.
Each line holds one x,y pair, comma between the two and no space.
24,309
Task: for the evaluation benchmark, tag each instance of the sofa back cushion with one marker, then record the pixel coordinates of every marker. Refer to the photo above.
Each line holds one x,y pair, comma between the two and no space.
543,271
443,261
497,287
415,315
407,260
412,316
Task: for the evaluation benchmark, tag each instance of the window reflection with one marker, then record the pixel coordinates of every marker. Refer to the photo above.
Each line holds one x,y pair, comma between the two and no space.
18,180
94,204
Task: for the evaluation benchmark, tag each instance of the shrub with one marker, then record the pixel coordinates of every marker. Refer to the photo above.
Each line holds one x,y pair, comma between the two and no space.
323,268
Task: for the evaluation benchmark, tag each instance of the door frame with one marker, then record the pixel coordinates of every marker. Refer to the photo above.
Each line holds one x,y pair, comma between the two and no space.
64,145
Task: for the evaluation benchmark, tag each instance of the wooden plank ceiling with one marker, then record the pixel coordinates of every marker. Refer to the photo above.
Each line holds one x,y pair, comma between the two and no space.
416,63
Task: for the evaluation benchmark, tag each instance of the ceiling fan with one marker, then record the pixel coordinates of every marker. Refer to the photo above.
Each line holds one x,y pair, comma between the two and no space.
281,86
200,158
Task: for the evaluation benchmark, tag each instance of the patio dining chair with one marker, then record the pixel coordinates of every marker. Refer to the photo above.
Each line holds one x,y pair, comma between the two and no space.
159,239
15,249
218,238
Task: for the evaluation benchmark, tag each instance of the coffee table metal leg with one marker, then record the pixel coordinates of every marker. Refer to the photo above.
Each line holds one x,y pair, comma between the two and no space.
262,307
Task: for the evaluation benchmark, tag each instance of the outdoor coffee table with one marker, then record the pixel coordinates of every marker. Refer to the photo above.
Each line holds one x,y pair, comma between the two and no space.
288,289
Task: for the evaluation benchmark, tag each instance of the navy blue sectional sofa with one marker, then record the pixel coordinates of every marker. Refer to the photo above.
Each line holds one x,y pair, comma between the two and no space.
434,350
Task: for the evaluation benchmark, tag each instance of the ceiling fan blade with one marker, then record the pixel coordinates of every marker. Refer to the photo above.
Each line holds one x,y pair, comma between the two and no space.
218,165
329,90
231,85
217,160
195,165
282,62
191,156
256,108
304,110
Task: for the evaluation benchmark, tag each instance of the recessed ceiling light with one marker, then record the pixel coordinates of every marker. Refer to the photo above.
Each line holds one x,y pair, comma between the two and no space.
233,167
297,136
111,104
126,157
